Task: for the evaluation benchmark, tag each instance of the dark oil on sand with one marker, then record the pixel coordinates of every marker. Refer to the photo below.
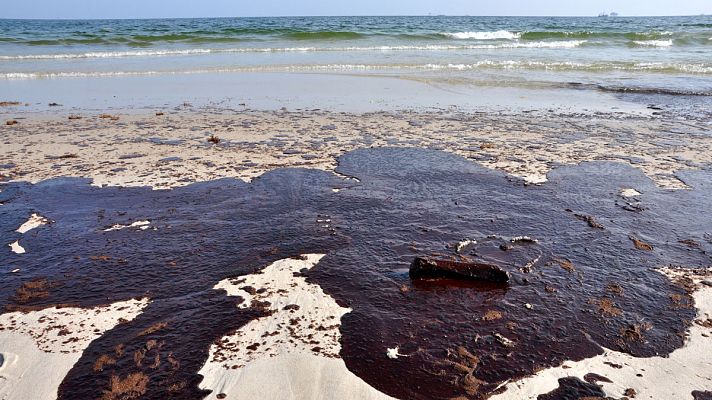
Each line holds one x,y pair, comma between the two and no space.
576,287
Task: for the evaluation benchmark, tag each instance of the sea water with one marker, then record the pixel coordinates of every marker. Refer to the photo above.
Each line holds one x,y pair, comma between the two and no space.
649,55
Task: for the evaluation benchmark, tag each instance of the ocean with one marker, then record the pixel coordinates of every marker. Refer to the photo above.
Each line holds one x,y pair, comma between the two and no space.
660,55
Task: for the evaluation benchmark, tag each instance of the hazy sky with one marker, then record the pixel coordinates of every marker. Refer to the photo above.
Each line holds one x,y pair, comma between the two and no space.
229,8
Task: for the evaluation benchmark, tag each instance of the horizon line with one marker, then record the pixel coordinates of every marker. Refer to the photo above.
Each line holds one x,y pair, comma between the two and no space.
341,16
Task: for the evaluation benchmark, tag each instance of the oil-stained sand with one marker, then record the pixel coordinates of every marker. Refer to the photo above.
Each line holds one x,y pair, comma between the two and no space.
673,376
171,148
574,289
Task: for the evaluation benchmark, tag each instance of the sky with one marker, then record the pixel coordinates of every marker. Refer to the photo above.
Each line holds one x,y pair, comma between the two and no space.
241,8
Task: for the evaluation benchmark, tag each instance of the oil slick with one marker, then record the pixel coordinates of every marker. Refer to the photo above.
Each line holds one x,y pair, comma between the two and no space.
674,377
33,222
587,287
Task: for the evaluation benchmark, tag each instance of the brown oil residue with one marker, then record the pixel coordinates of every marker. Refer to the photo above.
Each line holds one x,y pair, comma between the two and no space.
574,286
572,388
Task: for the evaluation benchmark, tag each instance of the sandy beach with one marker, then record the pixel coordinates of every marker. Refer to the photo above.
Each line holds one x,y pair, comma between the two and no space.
356,208
115,149
172,148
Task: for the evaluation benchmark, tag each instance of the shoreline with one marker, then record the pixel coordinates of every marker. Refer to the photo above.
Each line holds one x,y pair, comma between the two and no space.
351,92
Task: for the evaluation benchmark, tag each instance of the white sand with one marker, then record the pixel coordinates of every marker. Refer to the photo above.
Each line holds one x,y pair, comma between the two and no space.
33,222
535,179
290,376
172,150
630,193
16,248
142,225
118,153
663,378
291,360
40,347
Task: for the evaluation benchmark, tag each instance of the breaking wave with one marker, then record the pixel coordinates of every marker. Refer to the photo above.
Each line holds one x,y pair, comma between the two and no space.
483,35
705,69
654,43
178,52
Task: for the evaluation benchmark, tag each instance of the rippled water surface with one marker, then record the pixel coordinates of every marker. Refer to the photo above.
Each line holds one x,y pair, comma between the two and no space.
667,53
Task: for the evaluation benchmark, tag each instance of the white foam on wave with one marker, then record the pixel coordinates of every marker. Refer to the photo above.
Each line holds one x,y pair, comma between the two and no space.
189,52
484,64
55,75
697,68
688,68
105,54
654,43
483,35
567,44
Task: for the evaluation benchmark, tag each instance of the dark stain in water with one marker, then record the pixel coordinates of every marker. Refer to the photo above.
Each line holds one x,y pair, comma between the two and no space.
572,289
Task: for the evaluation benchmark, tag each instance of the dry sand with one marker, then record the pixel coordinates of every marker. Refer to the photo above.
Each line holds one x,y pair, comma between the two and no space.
16,248
172,149
38,348
33,222
291,354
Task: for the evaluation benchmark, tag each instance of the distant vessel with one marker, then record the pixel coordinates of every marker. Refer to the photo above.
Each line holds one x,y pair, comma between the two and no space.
606,15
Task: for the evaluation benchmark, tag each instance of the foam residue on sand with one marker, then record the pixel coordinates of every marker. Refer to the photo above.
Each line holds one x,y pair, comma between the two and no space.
675,377
293,353
38,348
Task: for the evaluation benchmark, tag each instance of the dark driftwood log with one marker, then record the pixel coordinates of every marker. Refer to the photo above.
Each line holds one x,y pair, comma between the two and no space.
423,267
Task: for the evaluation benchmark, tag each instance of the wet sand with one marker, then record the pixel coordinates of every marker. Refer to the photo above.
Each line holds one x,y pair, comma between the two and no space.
371,191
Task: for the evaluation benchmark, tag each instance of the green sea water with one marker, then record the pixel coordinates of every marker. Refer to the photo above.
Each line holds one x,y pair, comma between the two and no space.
663,55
